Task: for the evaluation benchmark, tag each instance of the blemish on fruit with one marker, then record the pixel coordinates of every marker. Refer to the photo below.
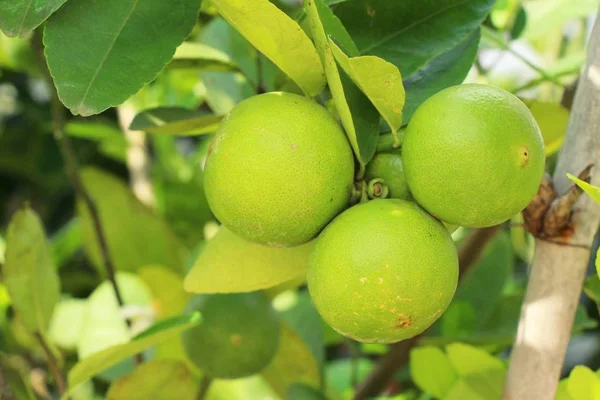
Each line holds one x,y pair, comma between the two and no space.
363,280
380,280
293,146
523,156
404,321
236,339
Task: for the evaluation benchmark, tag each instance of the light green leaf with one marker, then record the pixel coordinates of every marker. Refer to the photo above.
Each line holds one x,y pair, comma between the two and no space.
29,272
379,80
468,360
67,322
100,361
278,37
592,191
20,17
171,380
175,121
124,45
169,298
136,236
358,115
432,371
103,324
552,14
230,264
553,120
583,384
201,56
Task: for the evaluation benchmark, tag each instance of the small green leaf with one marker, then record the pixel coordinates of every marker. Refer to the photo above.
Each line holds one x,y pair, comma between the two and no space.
339,374
169,298
20,17
230,264
278,37
583,384
67,322
136,236
201,56
171,380
592,191
553,120
29,272
379,80
358,115
175,121
432,371
100,361
126,43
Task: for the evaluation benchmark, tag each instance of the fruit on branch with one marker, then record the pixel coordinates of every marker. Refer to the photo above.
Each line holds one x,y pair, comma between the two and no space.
388,166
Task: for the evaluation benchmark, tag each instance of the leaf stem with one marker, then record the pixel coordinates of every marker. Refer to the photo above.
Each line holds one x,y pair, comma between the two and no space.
52,364
72,170
204,387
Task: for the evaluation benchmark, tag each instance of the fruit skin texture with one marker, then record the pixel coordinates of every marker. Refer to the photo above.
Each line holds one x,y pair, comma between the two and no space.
383,271
388,166
238,335
278,170
473,155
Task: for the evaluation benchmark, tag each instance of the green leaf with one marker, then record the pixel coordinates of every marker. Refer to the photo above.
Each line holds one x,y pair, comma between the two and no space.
171,380
358,115
553,120
103,324
379,80
100,361
469,360
20,17
483,284
29,272
409,34
447,69
278,37
432,371
552,14
66,242
300,391
175,121
136,237
169,298
124,45
230,264
592,286
339,374
67,322
293,362
201,56
583,384
592,191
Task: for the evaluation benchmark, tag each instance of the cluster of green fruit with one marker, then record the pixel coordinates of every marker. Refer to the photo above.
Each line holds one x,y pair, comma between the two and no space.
280,172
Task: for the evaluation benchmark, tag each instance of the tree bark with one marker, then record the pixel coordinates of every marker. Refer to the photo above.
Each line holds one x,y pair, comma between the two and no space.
558,269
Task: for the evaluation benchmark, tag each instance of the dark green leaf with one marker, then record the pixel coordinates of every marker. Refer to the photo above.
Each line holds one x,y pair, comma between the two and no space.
411,33
66,242
20,17
447,69
175,121
358,115
592,288
300,391
29,272
124,45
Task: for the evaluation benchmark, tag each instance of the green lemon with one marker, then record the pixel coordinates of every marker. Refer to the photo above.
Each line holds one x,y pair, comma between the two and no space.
278,170
473,155
388,166
238,335
383,271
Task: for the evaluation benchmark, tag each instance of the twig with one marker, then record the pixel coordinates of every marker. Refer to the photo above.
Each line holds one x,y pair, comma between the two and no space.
204,387
558,272
137,157
399,353
53,365
72,169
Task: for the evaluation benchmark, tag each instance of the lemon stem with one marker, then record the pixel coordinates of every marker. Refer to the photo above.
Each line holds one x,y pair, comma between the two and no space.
390,141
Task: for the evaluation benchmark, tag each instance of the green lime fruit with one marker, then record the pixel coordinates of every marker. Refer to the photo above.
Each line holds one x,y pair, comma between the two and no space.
383,271
473,155
238,335
388,166
278,170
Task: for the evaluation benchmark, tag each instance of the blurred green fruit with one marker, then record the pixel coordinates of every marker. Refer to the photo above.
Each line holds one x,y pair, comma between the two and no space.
278,170
383,271
238,335
473,155
388,166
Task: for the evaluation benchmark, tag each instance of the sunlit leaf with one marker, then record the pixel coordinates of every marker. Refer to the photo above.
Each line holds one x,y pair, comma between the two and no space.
169,298
432,371
278,37
29,272
583,384
67,322
201,56
124,45
175,121
553,120
592,191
